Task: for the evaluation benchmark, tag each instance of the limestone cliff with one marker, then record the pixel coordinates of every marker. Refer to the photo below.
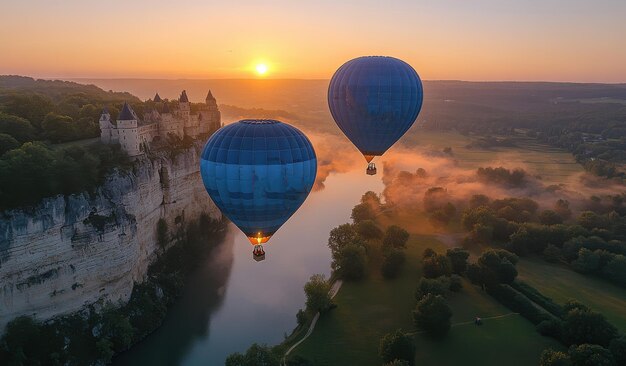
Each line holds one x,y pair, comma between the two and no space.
70,251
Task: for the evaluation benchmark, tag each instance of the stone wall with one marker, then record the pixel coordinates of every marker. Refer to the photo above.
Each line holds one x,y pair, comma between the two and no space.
71,251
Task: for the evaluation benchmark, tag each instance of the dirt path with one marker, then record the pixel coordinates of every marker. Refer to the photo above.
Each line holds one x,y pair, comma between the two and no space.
333,291
471,322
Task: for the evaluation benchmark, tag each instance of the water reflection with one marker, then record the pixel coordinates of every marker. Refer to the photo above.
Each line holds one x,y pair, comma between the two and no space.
224,310
190,317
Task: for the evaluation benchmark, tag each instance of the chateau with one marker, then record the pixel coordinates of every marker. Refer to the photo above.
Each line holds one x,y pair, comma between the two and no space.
135,135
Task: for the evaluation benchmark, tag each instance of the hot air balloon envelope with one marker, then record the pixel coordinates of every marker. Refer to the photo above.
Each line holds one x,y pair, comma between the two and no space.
258,173
375,100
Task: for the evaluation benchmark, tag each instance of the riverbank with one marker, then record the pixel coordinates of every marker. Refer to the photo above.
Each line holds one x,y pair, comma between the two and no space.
101,330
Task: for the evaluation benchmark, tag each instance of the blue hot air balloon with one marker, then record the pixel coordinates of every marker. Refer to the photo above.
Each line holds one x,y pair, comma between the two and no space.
375,100
258,172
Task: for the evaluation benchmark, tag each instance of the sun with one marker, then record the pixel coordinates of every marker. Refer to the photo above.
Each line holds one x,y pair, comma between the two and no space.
261,69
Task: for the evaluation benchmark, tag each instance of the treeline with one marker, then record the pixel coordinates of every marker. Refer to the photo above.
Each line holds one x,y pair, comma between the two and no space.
591,338
55,111
36,170
553,113
95,334
594,242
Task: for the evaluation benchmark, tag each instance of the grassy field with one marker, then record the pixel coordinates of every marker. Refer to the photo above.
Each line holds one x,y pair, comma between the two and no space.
562,284
551,164
350,334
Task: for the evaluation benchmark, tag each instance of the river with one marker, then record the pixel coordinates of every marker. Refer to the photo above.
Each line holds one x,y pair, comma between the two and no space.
232,301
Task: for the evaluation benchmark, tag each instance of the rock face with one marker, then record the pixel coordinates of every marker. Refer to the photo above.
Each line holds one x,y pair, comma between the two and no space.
71,251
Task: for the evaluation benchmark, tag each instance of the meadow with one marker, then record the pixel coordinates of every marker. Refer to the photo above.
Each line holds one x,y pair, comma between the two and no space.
366,310
551,164
562,284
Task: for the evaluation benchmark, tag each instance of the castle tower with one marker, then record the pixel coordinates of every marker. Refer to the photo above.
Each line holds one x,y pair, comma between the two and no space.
106,127
210,100
212,119
127,130
184,107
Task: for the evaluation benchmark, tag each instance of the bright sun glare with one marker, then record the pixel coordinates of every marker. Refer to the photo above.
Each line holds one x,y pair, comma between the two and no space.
261,69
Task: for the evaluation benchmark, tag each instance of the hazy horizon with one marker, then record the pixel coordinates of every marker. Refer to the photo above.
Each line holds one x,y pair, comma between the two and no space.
485,40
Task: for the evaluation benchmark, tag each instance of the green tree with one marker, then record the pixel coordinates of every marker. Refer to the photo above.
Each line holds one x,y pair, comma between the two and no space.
368,230
298,360
456,283
19,128
478,200
397,346
458,259
397,362
618,349
393,261
26,174
436,265
23,342
256,355
591,355
591,220
362,212
341,236
372,198
352,262
551,357
434,286
480,215
57,128
116,327
7,142
585,326
615,269
432,314
32,107
395,237
317,292
550,217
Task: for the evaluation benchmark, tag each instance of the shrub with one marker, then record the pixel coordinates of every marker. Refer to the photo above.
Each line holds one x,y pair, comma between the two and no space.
585,326
456,283
432,314
395,237
458,259
591,355
435,286
550,328
393,262
618,349
397,346
550,357
549,217
436,265
351,262
517,302
368,230
317,292
538,298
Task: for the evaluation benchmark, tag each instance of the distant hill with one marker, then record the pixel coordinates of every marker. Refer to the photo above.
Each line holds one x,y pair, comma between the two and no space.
57,90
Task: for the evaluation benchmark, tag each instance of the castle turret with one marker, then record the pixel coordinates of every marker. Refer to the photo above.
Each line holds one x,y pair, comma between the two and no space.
106,127
210,116
210,99
127,130
184,107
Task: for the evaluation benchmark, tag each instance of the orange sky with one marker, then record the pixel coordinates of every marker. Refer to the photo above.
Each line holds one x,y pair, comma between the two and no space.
564,40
